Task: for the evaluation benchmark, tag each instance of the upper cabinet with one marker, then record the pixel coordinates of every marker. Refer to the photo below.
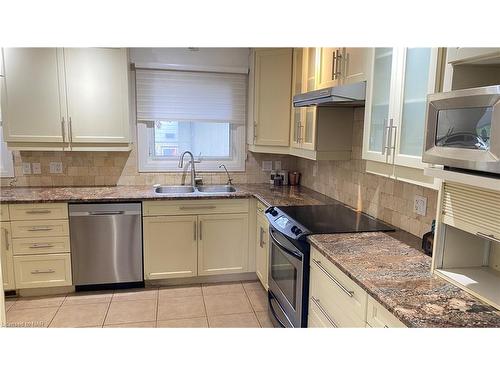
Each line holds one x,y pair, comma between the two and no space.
66,99
269,100
469,55
342,66
401,79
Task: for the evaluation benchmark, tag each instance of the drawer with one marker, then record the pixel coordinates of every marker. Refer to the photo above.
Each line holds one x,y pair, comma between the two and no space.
37,271
38,211
261,208
379,317
39,228
341,298
316,318
194,207
46,245
4,212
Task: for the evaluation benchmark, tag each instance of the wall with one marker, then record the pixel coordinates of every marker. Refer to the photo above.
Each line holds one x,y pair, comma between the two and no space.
384,198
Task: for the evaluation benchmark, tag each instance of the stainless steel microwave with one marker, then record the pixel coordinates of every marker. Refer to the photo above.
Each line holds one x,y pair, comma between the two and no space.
463,129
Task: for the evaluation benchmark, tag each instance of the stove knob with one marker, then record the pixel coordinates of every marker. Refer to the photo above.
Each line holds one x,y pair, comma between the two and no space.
295,230
273,212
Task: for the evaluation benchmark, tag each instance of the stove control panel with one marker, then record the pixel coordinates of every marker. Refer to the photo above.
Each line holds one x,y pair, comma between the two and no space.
285,224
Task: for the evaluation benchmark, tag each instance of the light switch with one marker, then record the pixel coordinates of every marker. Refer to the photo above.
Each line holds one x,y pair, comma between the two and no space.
267,165
26,168
56,167
36,168
420,205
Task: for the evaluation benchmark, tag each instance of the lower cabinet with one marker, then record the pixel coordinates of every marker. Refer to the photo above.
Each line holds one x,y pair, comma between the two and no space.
33,271
335,300
262,250
170,247
7,259
222,244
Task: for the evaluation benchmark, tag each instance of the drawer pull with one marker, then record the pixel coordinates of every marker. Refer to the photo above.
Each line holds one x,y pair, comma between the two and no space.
6,237
41,246
386,326
350,293
197,207
322,309
488,236
40,229
38,211
37,272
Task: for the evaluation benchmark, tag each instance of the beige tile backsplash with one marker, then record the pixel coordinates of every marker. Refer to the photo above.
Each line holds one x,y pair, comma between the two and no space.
346,181
384,198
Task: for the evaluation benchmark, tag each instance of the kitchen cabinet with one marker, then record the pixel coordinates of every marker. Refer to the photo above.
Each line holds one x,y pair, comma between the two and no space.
77,99
170,247
47,270
459,55
379,317
343,66
401,79
269,100
7,259
222,244
262,251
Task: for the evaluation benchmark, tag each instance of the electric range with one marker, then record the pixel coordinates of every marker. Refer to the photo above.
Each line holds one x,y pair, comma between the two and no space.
289,253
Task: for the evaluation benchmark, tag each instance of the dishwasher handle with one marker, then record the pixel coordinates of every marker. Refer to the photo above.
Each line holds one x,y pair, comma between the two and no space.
97,213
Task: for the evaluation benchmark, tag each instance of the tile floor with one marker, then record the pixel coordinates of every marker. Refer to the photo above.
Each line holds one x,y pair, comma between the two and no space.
238,304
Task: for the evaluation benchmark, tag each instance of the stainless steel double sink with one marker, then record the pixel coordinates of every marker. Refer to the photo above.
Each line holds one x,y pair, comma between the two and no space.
184,189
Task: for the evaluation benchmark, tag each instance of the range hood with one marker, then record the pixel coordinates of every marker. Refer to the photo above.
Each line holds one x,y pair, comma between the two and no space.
352,95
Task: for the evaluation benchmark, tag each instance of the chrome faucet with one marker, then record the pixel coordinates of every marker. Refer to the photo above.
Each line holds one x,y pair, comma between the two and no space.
193,171
229,179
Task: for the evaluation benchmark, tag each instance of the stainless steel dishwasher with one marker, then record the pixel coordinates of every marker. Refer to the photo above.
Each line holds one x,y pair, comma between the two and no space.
106,244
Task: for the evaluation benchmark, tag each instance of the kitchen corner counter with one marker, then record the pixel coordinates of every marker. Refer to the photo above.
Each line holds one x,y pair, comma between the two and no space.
276,196
399,277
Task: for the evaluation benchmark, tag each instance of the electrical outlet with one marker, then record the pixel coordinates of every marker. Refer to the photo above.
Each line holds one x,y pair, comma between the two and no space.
267,166
277,165
420,205
36,168
56,167
26,168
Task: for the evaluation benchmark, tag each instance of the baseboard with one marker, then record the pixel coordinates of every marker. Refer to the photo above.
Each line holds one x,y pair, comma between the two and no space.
248,276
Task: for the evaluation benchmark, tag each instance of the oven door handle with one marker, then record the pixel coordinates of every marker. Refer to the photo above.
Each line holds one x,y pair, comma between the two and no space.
294,253
271,298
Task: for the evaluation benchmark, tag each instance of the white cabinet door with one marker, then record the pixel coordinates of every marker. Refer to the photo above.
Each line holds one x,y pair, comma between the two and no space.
458,55
262,251
272,93
330,69
378,107
355,64
33,100
297,88
416,80
97,94
222,244
7,258
170,247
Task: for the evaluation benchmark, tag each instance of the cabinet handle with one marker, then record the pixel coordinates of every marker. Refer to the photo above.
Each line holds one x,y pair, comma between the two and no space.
63,130
36,272
334,59
38,211
6,236
40,229
195,231
41,246
70,131
261,238
322,309
338,71
186,208
490,237
392,145
384,136
255,130
350,293
201,231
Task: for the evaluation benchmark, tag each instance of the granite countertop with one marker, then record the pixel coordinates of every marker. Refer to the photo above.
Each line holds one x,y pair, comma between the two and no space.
399,276
275,196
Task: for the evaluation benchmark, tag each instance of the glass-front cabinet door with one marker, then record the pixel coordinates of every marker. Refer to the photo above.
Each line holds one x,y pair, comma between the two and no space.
419,67
297,86
378,105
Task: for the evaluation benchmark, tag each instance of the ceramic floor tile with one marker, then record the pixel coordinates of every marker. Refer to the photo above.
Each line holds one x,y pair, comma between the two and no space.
9,304
135,294
222,288
87,297
247,320
220,304
131,311
180,291
252,285
37,302
181,307
87,315
184,323
133,325
39,317
264,319
258,299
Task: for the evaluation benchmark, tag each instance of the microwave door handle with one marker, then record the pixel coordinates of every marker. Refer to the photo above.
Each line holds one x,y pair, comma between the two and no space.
293,253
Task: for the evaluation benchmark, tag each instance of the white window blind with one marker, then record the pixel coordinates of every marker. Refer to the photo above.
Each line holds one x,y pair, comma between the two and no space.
190,96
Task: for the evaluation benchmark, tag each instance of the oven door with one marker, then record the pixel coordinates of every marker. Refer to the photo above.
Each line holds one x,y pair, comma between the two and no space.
286,266
463,129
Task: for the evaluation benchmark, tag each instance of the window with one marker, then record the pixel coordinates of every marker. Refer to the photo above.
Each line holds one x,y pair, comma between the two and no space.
201,112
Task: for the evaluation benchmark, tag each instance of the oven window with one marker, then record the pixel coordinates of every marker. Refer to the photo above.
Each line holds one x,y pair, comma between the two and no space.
284,274
464,128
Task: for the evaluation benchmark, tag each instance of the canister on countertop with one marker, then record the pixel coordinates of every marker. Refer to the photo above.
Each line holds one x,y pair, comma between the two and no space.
284,177
294,178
